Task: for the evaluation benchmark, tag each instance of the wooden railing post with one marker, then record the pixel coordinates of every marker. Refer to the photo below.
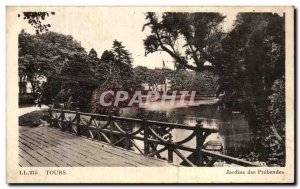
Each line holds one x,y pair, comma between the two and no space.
170,150
146,137
151,137
50,114
110,126
127,130
62,119
78,129
199,143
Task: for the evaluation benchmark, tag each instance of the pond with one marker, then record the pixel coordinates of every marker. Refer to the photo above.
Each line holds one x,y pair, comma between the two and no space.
234,132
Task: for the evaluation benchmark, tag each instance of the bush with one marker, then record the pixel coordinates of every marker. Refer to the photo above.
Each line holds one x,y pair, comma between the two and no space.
26,99
277,105
34,118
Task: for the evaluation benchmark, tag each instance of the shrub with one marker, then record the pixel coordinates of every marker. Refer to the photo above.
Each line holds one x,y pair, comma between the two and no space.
26,99
277,105
34,118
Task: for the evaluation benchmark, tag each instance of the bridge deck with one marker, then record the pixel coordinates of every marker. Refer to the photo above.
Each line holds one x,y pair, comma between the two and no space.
50,147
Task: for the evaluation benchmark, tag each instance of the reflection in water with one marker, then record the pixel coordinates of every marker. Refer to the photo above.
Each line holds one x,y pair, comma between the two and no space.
234,131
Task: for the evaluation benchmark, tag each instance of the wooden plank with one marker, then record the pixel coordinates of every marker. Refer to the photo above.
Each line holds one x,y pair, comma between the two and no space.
65,147
100,157
101,152
58,160
77,149
51,147
23,162
98,144
74,158
116,151
23,129
34,162
73,154
144,161
123,151
36,154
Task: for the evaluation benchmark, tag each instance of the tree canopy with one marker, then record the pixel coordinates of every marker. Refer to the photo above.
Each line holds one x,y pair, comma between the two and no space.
63,62
117,66
36,19
186,37
249,60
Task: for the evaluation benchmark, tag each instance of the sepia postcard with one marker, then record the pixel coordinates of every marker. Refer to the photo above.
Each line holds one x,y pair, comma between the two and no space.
150,95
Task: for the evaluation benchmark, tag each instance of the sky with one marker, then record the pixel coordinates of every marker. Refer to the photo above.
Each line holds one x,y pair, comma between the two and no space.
98,28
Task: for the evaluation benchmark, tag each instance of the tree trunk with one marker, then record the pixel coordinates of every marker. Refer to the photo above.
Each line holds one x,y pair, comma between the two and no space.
33,87
276,134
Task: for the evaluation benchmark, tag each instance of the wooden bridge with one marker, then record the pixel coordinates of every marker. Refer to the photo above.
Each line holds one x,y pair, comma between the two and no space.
49,147
75,138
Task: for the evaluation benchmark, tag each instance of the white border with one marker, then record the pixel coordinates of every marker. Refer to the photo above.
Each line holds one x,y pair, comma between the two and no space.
4,3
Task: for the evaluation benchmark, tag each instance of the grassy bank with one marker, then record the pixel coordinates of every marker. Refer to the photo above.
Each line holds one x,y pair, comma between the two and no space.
34,118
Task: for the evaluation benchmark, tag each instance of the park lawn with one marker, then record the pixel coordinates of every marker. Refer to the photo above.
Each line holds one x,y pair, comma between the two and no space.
33,119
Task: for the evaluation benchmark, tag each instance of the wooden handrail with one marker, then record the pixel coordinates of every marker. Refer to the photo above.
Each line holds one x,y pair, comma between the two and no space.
113,133
163,124
230,159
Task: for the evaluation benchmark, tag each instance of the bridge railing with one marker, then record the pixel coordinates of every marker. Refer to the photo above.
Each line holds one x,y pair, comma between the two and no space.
118,131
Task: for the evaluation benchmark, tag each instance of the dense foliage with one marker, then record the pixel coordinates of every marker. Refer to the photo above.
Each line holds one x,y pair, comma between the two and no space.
121,74
249,61
186,37
204,82
153,77
71,74
26,99
35,19
247,66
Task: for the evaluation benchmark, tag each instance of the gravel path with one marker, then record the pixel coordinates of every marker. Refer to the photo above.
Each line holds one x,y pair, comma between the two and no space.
26,110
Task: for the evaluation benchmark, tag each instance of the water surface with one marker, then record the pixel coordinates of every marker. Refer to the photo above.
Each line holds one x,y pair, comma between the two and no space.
234,132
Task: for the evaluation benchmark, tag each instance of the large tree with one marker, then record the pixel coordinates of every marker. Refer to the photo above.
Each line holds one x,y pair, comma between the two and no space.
152,77
186,37
182,80
156,77
32,63
141,75
253,57
249,61
117,64
58,59
123,63
204,82
253,70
